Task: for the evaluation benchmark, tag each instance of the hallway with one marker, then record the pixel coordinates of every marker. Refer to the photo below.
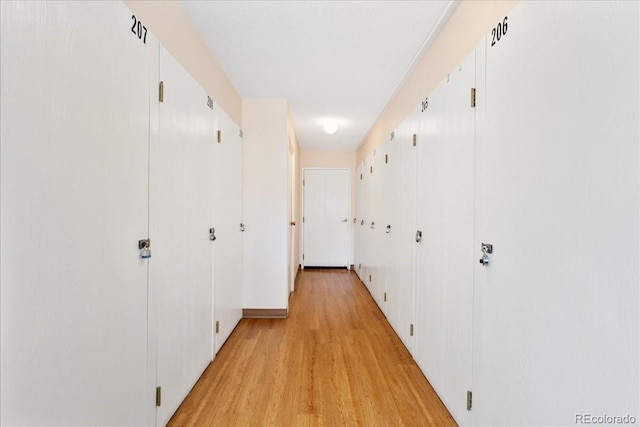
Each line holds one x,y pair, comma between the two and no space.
334,361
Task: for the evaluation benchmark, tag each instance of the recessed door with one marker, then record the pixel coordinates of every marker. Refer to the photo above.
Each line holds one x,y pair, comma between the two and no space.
327,195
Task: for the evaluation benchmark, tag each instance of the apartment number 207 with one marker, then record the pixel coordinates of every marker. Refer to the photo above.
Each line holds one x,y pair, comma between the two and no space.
138,29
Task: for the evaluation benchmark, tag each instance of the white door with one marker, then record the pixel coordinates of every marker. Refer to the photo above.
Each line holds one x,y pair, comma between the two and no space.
381,239
401,250
557,305
445,256
358,225
228,218
74,144
181,212
326,217
292,267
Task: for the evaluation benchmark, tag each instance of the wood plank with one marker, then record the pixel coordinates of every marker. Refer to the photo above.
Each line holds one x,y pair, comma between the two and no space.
334,361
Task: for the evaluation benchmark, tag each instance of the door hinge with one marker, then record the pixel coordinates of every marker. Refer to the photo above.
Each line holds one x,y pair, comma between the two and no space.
411,330
219,136
473,97
302,219
386,158
161,92
385,297
371,169
369,277
415,139
158,396
360,177
469,400
393,135
360,266
241,133
217,326
304,182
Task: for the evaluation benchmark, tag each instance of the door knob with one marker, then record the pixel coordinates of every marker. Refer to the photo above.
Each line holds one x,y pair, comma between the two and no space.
293,223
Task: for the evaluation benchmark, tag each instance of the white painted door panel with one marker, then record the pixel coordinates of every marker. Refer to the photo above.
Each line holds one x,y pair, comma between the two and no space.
358,224
376,275
228,246
382,188
390,247
74,144
368,215
182,191
401,249
557,307
445,255
326,217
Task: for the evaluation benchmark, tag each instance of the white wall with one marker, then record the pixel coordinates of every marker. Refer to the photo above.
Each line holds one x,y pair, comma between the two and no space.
266,153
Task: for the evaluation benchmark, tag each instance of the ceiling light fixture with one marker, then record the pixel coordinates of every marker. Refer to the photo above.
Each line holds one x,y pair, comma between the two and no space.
330,127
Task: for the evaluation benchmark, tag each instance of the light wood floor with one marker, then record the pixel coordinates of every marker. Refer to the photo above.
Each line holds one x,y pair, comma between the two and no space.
335,361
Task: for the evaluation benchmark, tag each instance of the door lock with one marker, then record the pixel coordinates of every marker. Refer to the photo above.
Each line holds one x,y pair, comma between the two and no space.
486,248
145,248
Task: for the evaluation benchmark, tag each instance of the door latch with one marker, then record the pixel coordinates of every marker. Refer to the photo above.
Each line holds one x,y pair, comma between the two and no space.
212,234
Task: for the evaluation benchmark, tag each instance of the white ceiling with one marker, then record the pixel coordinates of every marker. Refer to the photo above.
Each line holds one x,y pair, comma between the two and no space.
340,60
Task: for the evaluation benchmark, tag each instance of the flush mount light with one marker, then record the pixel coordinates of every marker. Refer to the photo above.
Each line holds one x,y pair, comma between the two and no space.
330,127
